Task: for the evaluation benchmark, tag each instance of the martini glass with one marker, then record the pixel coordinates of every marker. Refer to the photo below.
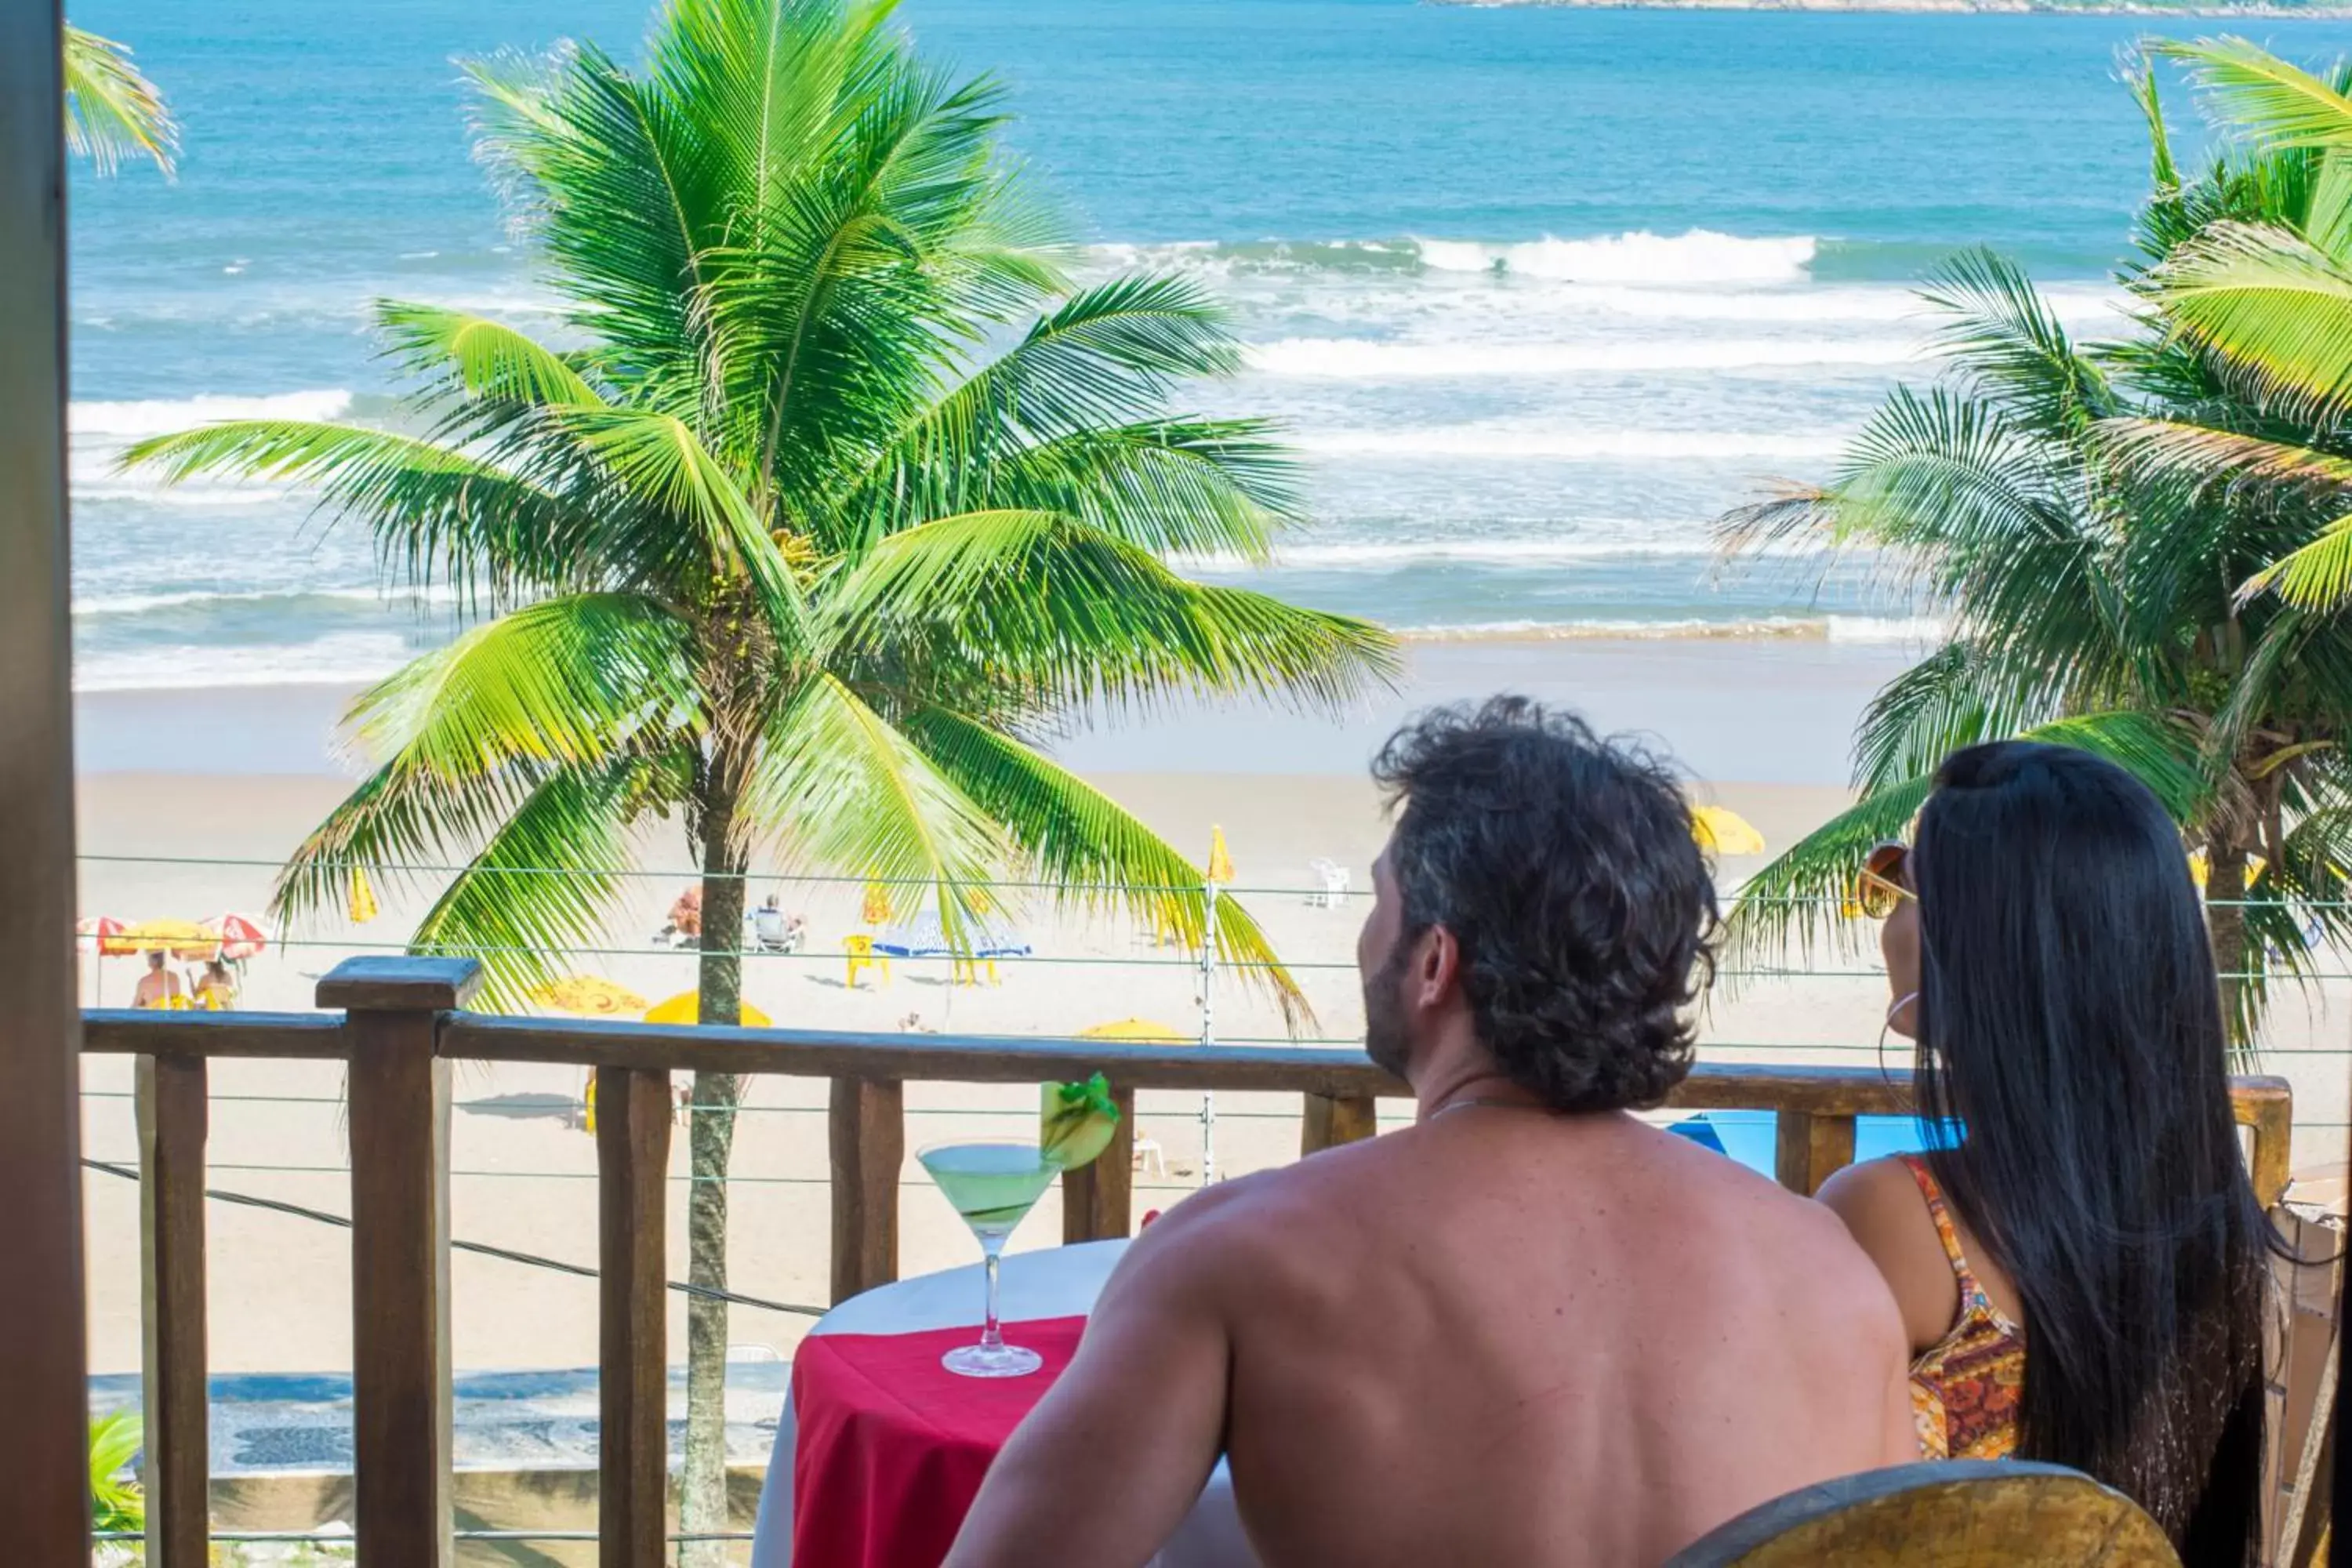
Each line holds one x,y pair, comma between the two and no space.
993,1183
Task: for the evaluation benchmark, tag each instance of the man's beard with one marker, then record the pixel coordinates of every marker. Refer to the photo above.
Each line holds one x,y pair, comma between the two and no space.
1385,1040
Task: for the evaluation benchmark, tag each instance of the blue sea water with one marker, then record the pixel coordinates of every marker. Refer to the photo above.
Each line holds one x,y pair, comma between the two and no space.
1538,292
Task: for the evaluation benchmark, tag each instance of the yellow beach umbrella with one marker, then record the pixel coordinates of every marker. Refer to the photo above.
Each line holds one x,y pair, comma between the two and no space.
1136,1032
363,906
1725,832
589,996
180,939
686,1007
2197,871
1220,863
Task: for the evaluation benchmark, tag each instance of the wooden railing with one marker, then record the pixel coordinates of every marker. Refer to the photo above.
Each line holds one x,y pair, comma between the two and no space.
402,1025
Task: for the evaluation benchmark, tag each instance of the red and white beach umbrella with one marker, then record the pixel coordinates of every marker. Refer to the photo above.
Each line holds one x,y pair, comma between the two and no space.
241,936
91,931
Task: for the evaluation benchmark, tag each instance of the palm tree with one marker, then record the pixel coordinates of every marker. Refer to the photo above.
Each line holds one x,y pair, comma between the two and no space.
112,112
843,497
2046,499
2271,294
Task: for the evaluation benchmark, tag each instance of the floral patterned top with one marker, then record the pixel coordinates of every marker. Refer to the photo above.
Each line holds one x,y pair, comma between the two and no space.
1965,1388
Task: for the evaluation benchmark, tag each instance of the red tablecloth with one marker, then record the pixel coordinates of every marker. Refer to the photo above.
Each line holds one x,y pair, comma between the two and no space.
893,1446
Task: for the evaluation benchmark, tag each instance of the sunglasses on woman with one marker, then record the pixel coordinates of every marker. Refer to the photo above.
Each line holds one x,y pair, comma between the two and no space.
1884,879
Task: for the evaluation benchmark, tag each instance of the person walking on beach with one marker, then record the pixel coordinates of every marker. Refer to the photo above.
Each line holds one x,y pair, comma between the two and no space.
1528,1330
159,987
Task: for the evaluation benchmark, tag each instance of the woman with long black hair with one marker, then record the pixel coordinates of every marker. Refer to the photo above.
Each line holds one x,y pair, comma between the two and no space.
2080,1261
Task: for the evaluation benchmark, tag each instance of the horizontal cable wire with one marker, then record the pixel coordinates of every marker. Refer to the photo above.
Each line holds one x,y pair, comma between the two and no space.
735,1298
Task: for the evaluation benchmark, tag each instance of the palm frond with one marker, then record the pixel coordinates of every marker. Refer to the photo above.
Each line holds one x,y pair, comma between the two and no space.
837,785
660,459
1802,897
1094,851
2006,340
466,734
1953,698
437,512
2316,577
1104,360
2271,103
568,680
485,358
2270,300
1073,615
114,112
540,889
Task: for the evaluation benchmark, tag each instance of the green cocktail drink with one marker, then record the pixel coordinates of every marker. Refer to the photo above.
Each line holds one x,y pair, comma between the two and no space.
992,1184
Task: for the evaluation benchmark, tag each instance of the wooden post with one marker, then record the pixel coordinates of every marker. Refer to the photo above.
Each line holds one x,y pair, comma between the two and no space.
1809,1146
633,1120
177,1471
43,1394
1098,1199
1333,1120
399,1109
868,1136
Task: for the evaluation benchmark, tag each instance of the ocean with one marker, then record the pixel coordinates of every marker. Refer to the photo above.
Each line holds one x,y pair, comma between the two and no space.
1536,293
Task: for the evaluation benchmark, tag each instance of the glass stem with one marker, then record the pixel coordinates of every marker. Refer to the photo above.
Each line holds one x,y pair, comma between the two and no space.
991,1336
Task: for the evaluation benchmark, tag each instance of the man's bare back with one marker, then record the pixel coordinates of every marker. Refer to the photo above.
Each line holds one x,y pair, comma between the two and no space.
1528,1330
1484,1340
1502,1338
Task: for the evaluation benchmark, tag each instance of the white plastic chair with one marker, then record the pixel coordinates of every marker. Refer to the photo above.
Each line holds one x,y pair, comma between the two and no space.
1335,879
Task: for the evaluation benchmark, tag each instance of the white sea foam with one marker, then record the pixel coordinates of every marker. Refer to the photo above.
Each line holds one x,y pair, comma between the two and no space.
160,416
1697,257
1674,540
1360,359
343,659
141,604
1573,446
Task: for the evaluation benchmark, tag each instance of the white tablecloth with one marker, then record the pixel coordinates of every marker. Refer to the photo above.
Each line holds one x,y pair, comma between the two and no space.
1057,1282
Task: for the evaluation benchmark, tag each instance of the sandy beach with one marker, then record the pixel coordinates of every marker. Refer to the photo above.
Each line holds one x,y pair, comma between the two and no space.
188,802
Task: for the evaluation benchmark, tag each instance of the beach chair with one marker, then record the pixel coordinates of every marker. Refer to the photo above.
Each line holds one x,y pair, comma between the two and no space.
1949,1513
860,951
1333,878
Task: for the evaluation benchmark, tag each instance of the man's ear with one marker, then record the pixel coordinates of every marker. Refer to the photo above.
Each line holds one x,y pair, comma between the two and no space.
1438,972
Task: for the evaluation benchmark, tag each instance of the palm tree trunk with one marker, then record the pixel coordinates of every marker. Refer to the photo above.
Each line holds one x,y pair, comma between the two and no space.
2225,923
712,1141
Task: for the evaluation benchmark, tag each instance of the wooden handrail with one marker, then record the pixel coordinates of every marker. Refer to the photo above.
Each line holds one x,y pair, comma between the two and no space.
403,1023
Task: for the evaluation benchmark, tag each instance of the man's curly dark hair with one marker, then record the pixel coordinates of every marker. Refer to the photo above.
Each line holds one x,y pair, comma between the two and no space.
1565,867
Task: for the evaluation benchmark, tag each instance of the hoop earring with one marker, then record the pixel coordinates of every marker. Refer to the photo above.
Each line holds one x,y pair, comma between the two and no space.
1907,999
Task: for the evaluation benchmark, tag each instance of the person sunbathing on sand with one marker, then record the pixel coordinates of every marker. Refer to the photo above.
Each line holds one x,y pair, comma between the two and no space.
1529,1330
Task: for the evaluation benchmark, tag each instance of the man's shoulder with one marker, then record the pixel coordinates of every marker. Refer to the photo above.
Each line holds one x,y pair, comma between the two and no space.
1243,1232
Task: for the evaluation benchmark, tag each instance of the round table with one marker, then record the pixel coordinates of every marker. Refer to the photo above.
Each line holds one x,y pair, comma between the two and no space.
1055,1282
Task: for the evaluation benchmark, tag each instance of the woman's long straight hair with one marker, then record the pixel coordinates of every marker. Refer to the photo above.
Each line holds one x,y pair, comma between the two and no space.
2070,1024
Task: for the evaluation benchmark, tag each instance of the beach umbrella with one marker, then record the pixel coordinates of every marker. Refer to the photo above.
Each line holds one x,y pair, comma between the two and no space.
1725,832
1136,1032
1221,862
92,934
2197,871
686,1007
94,931
241,936
362,907
589,996
180,939
925,937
